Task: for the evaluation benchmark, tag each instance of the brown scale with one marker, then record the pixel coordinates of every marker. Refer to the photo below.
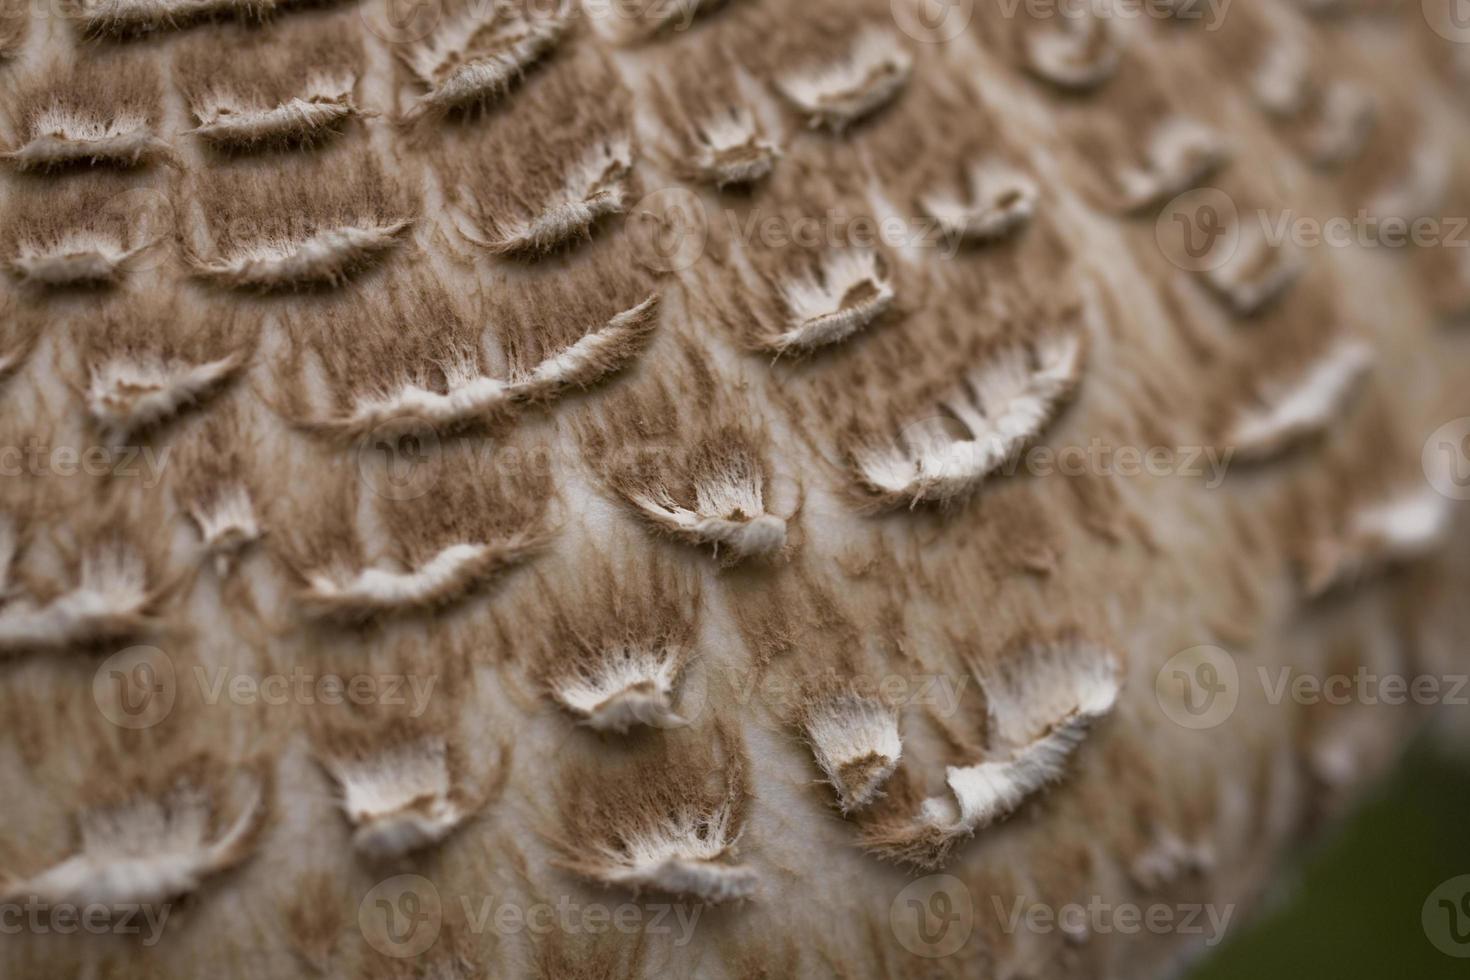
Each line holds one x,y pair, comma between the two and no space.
173,329
468,497
266,203
701,95
250,70
89,232
120,91
662,443
547,171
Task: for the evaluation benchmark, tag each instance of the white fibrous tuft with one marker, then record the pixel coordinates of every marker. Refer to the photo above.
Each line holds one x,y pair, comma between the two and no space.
1254,273
477,57
621,687
126,17
111,601
470,397
850,292
1179,154
597,354
60,139
839,94
227,525
401,798
1079,54
1040,712
1420,192
1345,121
146,851
326,257
998,201
1007,404
1282,80
1405,528
1169,860
856,743
1335,118
126,397
728,512
1306,407
78,258
227,122
444,578
594,189
732,151
684,856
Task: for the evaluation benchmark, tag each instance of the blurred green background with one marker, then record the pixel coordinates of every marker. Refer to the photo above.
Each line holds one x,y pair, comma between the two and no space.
1350,909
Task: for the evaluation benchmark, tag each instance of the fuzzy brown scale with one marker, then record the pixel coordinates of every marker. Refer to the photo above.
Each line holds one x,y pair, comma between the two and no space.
247,90
106,112
525,187
338,216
